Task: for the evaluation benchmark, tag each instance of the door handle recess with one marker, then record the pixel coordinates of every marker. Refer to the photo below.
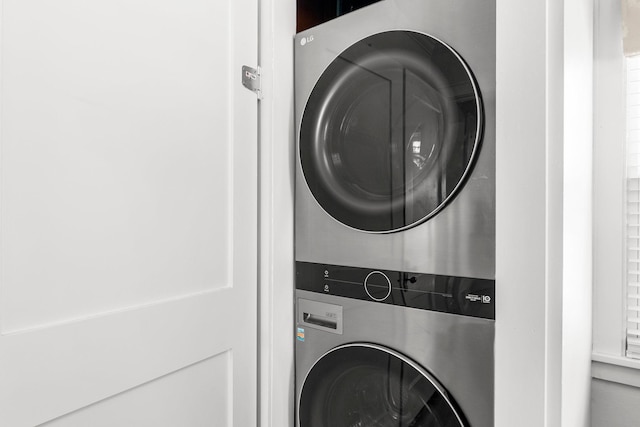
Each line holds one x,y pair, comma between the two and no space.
319,315
320,321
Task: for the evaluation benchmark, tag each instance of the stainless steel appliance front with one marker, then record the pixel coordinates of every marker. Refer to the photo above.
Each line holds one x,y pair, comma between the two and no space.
454,234
455,352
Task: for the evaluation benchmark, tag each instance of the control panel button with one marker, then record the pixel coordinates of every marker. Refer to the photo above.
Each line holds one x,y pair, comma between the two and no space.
377,285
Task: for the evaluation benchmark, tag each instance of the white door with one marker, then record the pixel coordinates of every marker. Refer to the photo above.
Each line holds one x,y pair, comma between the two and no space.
128,213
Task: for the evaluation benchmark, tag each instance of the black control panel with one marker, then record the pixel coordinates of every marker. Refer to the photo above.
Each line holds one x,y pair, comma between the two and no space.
448,294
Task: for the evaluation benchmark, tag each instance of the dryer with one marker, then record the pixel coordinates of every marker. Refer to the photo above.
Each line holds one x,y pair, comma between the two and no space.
395,133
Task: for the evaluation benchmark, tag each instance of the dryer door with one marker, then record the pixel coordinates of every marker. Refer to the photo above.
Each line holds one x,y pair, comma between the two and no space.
390,131
372,386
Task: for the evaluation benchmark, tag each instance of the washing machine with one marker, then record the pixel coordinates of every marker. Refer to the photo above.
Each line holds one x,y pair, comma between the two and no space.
382,348
395,133
395,216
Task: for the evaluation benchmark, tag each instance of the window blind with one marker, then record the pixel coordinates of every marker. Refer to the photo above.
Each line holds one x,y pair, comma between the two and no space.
633,206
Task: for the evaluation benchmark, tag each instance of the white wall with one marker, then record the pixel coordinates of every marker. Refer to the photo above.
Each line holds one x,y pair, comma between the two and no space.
614,405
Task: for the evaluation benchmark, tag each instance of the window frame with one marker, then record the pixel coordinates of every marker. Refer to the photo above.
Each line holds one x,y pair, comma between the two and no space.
609,201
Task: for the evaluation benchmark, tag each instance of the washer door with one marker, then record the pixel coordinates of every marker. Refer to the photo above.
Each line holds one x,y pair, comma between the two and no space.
390,131
366,385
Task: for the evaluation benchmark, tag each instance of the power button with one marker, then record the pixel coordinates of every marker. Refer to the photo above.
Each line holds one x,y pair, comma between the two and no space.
377,285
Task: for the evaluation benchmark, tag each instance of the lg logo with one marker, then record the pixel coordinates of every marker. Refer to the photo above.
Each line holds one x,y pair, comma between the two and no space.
306,40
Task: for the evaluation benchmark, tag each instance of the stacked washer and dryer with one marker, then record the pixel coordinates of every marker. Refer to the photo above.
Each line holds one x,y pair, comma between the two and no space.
395,216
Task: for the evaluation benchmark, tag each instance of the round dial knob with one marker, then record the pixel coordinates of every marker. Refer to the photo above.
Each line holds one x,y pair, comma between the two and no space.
377,285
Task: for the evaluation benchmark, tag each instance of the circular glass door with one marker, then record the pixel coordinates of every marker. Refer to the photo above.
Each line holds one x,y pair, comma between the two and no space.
390,131
365,385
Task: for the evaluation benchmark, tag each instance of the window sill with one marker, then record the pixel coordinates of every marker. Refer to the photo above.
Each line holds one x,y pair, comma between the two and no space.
616,369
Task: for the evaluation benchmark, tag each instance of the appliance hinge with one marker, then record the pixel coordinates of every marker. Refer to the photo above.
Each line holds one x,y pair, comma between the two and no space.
251,80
